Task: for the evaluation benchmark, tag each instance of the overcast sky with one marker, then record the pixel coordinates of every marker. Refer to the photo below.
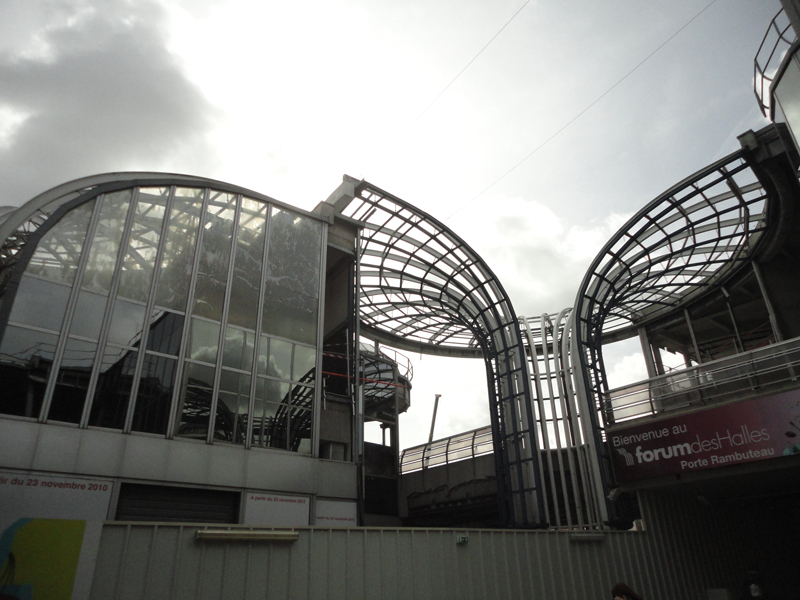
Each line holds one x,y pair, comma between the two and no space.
285,97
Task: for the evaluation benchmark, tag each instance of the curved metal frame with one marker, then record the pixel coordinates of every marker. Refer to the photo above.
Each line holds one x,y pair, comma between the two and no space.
765,69
419,281
687,241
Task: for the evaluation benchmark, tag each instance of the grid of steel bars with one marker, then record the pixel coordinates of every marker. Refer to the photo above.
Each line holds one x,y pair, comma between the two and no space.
682,244
420,281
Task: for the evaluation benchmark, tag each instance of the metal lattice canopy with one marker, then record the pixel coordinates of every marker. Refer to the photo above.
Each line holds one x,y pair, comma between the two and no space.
423,288
685,241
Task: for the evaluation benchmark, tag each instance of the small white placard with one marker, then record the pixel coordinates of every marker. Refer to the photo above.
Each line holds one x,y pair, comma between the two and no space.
274,510
336,513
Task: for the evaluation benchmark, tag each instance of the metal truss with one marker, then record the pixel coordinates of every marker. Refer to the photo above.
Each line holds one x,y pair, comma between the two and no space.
567,458
685,242
420,282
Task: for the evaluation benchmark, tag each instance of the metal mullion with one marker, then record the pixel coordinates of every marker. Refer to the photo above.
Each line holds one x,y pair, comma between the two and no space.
259,323
565,412
112,301
151,300
223,323
542,417
571,397
316,416
91,231
176,393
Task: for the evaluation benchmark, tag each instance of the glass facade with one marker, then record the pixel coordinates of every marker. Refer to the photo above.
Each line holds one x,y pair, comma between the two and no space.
176,311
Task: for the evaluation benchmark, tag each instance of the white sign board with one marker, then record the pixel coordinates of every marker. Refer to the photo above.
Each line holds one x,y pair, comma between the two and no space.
274,510
51,525
336,513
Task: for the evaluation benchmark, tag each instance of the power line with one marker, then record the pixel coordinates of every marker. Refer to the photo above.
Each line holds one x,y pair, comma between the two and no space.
576,117
439,95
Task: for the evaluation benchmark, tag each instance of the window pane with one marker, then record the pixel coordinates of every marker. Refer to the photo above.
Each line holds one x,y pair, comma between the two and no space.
233,406
305,362
40,303
166,329
203,341
292,287
140,257
280,359
69,395
105,245
153,401
212,274
113,388
198,383
238,352
247,265
270,414
302,396
88,315
57,253
300,427
176,263
289,314
126,324
25,360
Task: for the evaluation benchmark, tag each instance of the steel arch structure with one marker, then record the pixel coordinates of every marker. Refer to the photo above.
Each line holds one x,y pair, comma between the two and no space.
684,243
420,283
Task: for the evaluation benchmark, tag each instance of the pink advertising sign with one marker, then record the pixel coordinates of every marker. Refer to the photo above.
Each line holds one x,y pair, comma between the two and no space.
735,433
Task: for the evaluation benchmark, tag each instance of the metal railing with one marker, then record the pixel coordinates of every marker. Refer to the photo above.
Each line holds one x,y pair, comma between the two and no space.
404,366
462,446
777,40
760,371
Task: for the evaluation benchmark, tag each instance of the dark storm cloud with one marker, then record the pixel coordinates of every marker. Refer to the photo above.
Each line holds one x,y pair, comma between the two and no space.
100,92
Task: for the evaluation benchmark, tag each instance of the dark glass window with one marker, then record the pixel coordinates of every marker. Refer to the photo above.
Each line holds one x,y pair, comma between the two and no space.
198,384
154,399
69,395
26,357
110,404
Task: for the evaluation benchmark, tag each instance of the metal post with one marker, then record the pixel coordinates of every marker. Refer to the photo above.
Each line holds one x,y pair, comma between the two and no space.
773,319
433,420
648,353
694,339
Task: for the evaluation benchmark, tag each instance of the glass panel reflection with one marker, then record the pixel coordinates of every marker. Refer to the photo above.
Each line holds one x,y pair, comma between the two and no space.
280,359
69,395
233,403
154,398
176,263
105,245
292,286
58,251
203,341
40,303
88,316
166,329
126,324
140,256
212,275
198,383
110,404
270,414
26,357
238,351
247,264
305,362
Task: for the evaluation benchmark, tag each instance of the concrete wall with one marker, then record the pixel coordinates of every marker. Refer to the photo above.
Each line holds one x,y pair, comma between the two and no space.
687,548
56,449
